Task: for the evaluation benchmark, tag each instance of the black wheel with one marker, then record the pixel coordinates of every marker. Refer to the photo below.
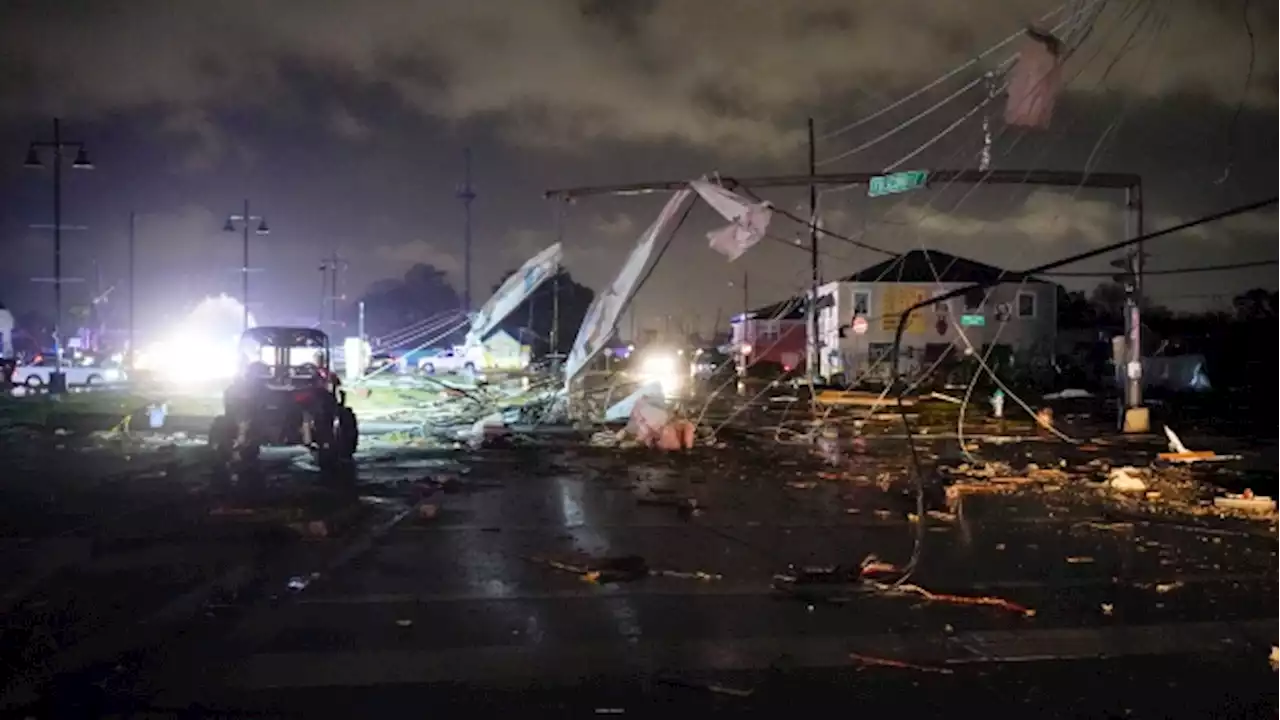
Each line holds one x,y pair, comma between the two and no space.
338,451
428,368
348,433
35,382
469,367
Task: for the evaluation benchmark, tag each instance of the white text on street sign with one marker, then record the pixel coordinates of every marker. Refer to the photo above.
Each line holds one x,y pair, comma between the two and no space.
897,182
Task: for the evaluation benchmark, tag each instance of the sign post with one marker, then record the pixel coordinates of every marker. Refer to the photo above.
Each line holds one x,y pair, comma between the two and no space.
897,182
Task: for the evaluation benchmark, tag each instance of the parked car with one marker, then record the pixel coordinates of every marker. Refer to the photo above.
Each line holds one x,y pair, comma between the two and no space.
37,373
453,360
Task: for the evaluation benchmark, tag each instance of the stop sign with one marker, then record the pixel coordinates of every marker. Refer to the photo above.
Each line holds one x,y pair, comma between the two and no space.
860,325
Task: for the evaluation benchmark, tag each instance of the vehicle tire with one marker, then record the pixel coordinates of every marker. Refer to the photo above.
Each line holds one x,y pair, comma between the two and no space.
347,433
470,367
428,368
35,382
92,380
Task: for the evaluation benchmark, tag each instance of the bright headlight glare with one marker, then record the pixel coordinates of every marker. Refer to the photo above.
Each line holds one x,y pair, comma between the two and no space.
659,365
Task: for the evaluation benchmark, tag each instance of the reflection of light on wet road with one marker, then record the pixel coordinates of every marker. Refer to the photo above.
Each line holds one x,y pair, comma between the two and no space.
574,514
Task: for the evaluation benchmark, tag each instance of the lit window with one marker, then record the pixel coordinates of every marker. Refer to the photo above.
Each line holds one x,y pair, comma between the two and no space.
1026,305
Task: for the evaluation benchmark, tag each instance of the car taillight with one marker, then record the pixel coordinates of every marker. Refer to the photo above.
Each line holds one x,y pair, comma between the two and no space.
302,396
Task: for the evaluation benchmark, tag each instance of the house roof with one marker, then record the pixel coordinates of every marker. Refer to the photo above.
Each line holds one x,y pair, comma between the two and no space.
918,266
792,309
915,266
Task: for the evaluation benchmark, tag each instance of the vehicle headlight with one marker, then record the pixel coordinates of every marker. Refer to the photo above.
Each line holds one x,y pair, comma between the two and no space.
658,366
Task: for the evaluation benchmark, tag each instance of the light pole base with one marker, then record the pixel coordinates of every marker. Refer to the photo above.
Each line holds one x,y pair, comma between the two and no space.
1136,420
57,383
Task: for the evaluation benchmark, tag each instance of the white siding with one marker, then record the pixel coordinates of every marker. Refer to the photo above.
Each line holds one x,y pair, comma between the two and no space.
1035,334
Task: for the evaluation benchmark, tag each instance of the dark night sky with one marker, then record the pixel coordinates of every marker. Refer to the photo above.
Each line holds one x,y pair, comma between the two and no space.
344,122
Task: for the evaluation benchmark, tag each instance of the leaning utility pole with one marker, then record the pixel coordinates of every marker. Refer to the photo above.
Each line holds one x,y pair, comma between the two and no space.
466,194
1135,418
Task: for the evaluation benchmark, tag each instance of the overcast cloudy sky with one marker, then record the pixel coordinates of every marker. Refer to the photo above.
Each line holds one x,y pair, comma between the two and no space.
344,122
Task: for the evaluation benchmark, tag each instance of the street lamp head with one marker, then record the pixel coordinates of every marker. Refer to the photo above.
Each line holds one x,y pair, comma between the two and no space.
262,227
33,158
82,161
229,227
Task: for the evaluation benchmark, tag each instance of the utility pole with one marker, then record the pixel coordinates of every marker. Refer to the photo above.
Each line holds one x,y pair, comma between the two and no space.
329,268
57,379
244,219
1136,417
811,312
133,265
466,194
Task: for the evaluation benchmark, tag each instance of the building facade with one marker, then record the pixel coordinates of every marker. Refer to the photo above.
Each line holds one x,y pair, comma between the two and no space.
859,316
774,335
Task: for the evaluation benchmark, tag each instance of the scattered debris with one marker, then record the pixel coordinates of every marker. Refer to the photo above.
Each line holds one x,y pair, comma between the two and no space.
1178,453
1126,479
1245,502
1069,394
298,583
984,600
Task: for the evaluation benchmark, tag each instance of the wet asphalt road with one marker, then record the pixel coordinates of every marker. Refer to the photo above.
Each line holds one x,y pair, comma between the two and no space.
137,586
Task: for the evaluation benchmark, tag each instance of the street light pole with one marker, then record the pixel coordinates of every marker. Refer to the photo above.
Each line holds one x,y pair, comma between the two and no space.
133,240
57,380
244,268
245,218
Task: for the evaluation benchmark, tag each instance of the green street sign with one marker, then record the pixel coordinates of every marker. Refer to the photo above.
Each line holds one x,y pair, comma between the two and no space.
897,182
973,320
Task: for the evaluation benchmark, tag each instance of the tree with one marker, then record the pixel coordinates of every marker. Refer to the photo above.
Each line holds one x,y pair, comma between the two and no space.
1254,305
1108,300
391,305
1075,310
531,321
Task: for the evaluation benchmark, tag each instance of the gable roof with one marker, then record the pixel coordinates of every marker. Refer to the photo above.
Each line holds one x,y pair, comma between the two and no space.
792,309
917,266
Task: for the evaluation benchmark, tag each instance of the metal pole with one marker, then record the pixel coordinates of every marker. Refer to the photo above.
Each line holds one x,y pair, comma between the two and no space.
466,194
57,383
745,340
811,359
244,287
555,313
360,321
333,293
133,235
554,337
